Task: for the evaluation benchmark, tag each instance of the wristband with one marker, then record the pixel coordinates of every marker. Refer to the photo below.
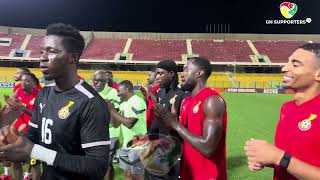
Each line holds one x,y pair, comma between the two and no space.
285,160
43,154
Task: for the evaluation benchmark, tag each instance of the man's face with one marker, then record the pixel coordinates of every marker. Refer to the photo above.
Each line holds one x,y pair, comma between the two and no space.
27,83
54,59
17,77
122,92
99,82
188,77
109,79
301,70
164,77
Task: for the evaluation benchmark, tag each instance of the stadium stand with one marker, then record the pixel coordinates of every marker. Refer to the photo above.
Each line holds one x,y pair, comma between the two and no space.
156,50
16,42
226,51
103,48
277,51
34,46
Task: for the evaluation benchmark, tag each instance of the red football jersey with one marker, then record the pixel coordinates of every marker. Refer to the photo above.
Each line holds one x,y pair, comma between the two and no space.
194,165
28,101
298,133
150,104
16,88
115,85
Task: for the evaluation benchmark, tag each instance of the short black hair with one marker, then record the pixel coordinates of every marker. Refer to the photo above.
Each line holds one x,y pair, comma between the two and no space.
33,77
203,64
72,39
127,84
312,47
24,69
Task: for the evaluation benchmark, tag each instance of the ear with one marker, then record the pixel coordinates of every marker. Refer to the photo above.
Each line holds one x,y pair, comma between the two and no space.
317,75
200,74
73,58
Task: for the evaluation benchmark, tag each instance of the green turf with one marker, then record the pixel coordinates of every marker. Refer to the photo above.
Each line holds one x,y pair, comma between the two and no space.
249,116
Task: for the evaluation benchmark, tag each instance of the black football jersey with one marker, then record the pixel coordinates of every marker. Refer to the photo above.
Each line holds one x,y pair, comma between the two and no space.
69,122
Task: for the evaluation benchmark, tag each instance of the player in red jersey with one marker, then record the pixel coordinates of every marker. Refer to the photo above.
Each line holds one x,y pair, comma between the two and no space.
295,154
27,94
17,77
202,127
152,86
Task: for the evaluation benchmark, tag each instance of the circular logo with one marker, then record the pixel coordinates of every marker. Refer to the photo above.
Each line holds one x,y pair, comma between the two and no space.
288,9
308,20
304,125
63,113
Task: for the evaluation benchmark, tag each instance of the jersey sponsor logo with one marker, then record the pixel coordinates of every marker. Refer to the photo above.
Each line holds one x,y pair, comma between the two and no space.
32,101
64,112
173,99
306,124
196,107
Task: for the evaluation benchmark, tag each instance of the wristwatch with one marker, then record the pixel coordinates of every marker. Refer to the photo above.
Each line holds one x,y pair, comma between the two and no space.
285,160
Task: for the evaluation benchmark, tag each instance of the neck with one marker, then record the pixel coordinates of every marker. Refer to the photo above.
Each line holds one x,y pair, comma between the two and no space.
129,96
302,96
66,82
200,86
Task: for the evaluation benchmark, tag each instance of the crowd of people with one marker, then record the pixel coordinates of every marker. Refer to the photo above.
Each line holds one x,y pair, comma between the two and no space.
76,130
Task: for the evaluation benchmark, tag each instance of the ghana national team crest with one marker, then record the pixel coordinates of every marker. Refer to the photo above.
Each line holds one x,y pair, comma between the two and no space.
306,124
64,112
196,107
173,99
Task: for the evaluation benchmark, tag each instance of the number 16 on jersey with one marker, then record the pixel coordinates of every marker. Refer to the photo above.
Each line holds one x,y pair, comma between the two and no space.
46,135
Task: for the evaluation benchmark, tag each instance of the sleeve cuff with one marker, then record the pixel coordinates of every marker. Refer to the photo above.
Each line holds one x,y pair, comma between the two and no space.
43,154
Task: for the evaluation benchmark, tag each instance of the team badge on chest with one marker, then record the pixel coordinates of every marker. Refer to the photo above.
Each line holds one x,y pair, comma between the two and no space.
306,124
64,112
196,107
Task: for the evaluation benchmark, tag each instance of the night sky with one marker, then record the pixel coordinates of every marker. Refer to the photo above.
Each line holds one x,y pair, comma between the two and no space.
242,16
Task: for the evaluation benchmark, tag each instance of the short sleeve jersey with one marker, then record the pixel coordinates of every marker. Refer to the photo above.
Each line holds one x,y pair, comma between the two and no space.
135,107
69,122
298,133
111,94
28,101
195,165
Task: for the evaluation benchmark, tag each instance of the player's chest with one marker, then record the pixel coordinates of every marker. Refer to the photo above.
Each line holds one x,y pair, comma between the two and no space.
299,128
192,115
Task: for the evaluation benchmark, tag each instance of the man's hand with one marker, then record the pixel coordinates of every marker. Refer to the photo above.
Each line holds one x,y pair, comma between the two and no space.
18,151
168,118
260,151
255,166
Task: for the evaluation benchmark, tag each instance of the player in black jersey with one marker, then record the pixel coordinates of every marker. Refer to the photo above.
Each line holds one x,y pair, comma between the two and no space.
68,130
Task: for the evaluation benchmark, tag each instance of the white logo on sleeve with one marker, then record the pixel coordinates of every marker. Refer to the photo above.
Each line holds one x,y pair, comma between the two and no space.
41,107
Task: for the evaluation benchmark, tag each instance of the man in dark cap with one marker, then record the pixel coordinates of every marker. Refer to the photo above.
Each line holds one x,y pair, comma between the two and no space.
168,94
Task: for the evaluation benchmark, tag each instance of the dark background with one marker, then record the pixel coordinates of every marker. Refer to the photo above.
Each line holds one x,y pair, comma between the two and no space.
242,16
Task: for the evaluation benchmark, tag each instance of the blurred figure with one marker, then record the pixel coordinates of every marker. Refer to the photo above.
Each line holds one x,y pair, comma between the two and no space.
150,90
110,81
17,77
132,119
29,85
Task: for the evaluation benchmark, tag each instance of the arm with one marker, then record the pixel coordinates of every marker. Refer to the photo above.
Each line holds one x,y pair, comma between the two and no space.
94,138
119,119
213,108
260,151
